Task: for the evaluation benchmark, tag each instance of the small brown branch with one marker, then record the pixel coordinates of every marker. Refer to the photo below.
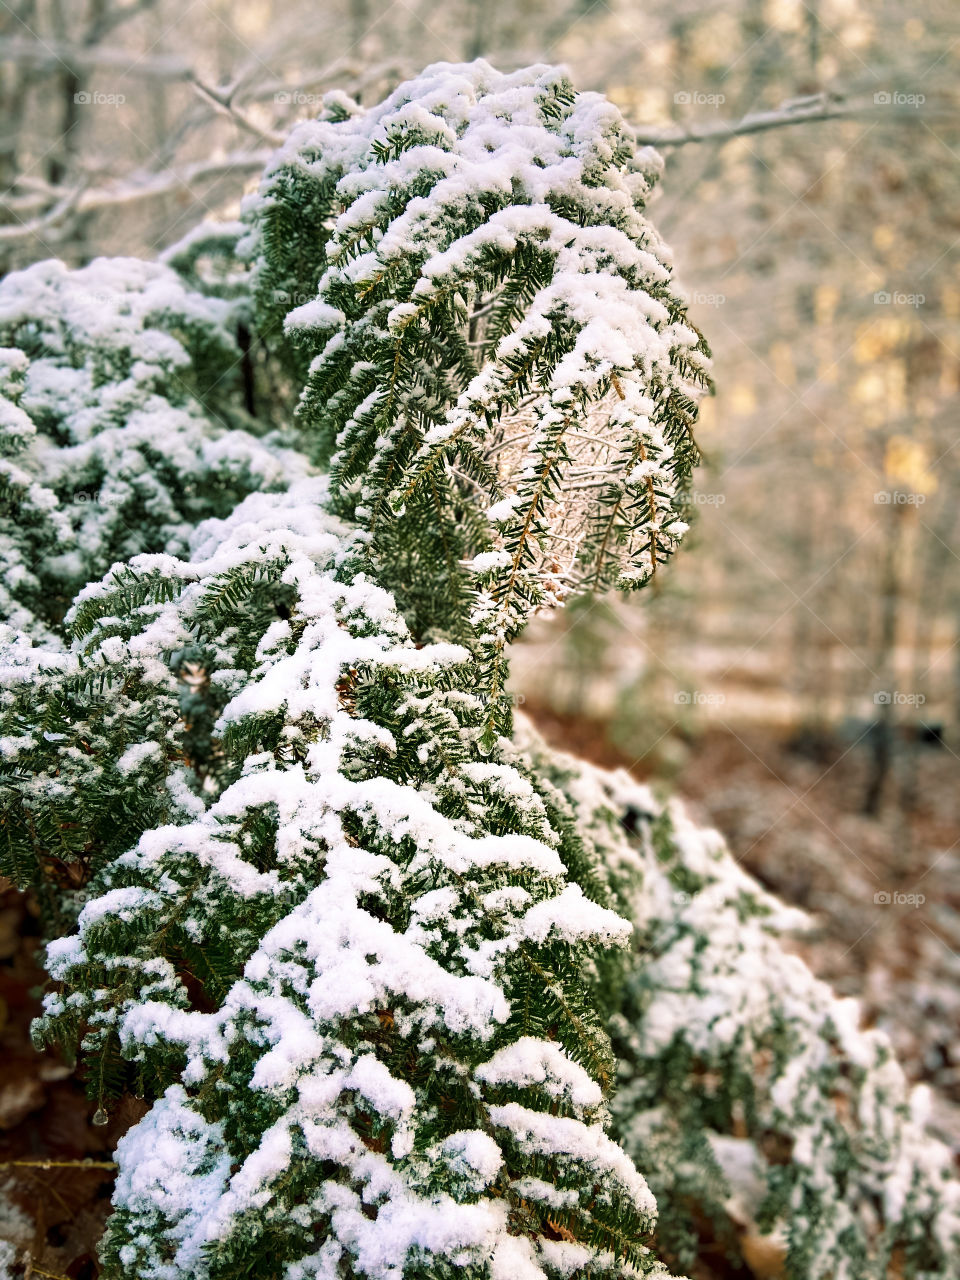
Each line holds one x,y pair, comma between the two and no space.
32,1269
58,1164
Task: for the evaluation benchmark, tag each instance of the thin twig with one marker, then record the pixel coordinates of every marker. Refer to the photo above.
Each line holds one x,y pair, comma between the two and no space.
222,101
31,1269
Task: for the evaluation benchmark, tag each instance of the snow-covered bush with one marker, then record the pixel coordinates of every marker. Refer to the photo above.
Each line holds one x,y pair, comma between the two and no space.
762,1115
394,977
394,1057
121,423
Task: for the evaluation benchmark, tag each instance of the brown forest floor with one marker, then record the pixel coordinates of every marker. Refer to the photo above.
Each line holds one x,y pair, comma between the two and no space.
58,1210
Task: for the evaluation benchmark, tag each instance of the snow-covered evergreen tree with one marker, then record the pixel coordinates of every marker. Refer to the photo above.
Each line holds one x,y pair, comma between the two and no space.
497,366
393,976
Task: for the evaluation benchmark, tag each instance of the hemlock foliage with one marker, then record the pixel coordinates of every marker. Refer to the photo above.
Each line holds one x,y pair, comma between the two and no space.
120,426
409,994
496,364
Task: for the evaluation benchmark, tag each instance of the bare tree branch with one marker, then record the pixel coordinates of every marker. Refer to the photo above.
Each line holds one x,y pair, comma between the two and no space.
818,108
151,186
55,55
222,101
346,73
37,226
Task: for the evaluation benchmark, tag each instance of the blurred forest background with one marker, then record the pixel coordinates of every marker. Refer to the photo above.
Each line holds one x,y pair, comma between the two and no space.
797,675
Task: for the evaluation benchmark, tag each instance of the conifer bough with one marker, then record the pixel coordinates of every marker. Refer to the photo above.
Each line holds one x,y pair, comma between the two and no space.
377,960
119,426
496,362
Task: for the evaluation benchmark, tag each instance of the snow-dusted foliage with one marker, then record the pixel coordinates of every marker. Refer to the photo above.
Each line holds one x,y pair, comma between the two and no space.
408,994
401,1071
119,411
748,1092
498,364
